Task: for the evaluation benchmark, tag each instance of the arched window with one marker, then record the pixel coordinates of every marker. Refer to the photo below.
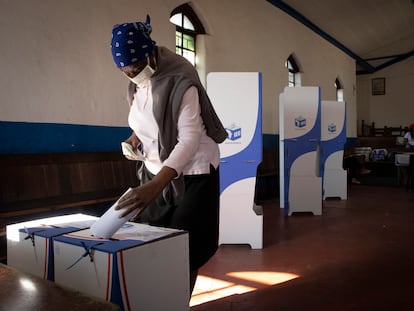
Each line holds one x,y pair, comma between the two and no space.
188,26
339,90
293,71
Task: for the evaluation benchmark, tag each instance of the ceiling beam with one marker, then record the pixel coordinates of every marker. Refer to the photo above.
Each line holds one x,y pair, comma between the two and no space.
394,59
298,16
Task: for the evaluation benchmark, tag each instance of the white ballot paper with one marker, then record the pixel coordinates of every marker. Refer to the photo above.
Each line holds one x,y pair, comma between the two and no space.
109,223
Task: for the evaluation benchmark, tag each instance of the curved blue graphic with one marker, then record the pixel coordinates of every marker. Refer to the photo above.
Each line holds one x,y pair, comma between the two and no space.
244,164
296,147
329,147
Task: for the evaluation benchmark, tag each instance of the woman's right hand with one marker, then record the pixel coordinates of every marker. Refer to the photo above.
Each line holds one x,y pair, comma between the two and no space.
133,140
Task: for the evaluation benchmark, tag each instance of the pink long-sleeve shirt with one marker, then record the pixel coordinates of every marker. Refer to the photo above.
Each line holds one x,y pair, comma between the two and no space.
193,153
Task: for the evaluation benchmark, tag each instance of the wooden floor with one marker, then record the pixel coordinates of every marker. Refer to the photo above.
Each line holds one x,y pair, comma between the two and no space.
359,255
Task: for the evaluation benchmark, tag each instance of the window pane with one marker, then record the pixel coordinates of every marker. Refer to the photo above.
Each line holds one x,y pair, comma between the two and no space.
177,19
340,95
289,65
292,65
178,39
291,79
189,55
188,42
188,24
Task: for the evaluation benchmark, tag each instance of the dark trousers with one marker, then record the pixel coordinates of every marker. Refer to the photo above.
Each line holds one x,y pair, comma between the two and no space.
198,213
354,165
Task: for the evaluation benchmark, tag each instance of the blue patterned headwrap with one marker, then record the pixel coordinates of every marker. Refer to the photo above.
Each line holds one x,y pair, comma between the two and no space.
131,42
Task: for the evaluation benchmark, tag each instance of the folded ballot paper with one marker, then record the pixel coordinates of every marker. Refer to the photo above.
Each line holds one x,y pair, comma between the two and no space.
128,150
110,222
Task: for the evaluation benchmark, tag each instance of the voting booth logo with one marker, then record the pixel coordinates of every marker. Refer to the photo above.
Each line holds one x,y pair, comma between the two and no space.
331,128
300,122
234,132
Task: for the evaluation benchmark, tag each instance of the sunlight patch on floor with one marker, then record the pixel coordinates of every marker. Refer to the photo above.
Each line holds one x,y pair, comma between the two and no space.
207,289
266,278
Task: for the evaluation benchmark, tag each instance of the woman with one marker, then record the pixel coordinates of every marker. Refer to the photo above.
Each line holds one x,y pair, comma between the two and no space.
409,137
177,129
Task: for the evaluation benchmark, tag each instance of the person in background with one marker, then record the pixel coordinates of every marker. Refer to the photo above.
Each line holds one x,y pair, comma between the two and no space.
176,128
409,137
355,165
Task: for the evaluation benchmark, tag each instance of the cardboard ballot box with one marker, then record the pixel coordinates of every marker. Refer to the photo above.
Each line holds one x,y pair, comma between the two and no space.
30,244
140,268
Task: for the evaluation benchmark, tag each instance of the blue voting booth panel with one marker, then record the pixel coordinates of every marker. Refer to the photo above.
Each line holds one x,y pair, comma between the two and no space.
300,134
333,139
236,97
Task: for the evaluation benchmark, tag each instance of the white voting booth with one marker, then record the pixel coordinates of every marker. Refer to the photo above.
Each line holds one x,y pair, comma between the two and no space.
332,150
236,97
312,139
300,133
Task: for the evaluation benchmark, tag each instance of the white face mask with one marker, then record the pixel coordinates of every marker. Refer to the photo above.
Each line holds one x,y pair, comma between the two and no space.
144,76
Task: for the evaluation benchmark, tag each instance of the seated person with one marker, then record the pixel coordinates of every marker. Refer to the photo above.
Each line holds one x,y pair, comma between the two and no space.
355,165
409,137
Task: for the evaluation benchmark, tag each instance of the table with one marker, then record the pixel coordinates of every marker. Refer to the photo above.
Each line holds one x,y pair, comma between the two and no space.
402,161
21,291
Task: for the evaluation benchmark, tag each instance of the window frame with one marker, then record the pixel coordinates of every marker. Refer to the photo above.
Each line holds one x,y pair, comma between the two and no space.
293,70
186,11
339,90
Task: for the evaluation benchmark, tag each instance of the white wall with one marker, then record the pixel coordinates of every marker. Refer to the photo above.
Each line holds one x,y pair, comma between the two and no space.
56,60
396,107
57,66
259,37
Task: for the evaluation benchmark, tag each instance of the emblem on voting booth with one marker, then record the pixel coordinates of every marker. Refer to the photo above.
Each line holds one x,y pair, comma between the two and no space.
233,132
300,122
332,128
